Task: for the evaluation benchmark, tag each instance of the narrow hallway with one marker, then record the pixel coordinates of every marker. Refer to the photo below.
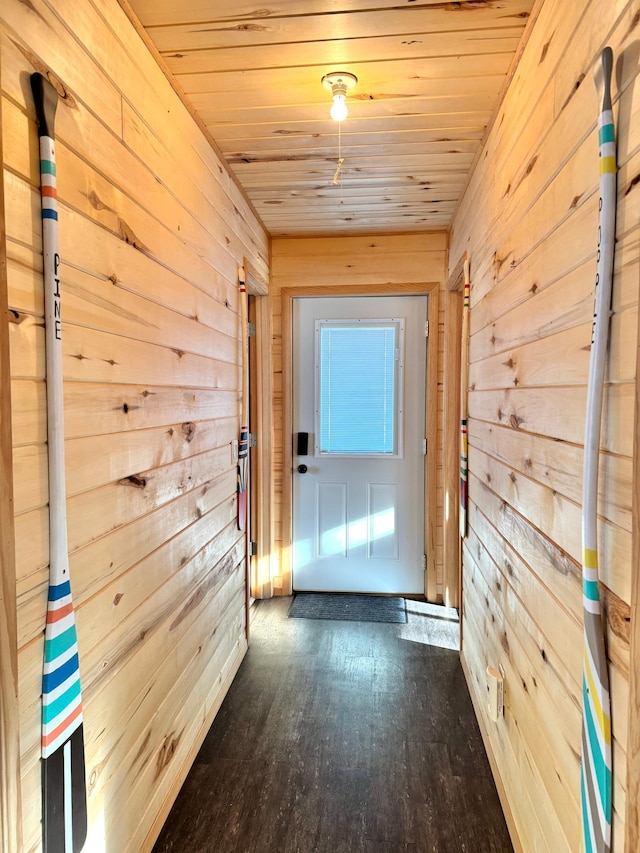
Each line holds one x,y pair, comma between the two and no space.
339,737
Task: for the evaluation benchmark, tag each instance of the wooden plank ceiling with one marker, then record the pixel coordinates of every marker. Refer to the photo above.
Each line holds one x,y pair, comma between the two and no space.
430,75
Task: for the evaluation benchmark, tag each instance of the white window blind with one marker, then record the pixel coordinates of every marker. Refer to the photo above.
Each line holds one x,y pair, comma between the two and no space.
357,399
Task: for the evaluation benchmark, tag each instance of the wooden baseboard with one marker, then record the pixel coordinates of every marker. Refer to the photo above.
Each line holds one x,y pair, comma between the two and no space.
495,769
163,812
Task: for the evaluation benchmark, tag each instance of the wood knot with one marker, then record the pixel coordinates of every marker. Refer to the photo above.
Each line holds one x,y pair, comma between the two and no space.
129,237
515,421
133,480
632,183
534,288
95,201
178,352
189,431
16,317
504,642
543,55
118,598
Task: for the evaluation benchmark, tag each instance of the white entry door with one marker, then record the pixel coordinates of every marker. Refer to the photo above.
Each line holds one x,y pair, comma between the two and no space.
359,366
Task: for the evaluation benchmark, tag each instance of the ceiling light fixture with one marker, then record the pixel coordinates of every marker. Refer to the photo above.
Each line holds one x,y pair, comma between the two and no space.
339,83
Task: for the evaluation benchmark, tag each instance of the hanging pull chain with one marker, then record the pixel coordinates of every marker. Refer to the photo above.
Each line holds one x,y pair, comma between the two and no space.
338,174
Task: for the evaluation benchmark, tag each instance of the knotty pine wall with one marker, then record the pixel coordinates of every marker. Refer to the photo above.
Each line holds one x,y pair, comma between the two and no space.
375,261
152,230
529,222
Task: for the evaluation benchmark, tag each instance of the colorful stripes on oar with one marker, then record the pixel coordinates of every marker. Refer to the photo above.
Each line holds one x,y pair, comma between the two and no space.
596,772
48,188
61,697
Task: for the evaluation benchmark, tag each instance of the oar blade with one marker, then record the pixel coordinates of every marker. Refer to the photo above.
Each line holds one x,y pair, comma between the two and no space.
64,801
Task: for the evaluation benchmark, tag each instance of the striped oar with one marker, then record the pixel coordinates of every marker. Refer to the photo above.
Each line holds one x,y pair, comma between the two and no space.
64,800
596,778
464,374
243,444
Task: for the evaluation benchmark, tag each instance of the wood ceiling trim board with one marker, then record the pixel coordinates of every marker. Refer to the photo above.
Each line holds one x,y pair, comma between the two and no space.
318,177
337,228
339,52
286,154
301,188
357,244
317,22
299,142
453,164
425,113
444,121
362,160
374,115
437,194
356,196
376,80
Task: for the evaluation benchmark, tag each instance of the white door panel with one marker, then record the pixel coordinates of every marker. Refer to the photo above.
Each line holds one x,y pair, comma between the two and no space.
358,510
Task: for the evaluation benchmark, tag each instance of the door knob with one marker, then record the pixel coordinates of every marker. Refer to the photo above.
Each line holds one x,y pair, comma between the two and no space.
302,469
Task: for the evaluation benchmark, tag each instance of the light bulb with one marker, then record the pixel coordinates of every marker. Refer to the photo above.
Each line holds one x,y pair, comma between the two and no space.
339,110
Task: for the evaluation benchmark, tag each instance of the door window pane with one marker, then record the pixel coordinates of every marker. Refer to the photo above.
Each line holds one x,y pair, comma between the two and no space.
358,368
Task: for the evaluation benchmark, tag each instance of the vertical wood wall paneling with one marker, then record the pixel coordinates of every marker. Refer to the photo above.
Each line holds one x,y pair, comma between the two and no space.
10,797
359,264
152,230
529,220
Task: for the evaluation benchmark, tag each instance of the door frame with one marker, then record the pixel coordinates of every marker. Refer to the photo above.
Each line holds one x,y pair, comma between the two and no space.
260,486
451,542
287,296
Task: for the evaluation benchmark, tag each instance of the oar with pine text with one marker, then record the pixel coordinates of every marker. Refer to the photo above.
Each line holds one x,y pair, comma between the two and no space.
64,799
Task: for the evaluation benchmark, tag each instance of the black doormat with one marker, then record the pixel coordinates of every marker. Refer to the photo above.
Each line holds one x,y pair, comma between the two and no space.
348,608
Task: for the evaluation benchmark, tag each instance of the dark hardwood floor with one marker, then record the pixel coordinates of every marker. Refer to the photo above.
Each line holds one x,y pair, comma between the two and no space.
339,737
